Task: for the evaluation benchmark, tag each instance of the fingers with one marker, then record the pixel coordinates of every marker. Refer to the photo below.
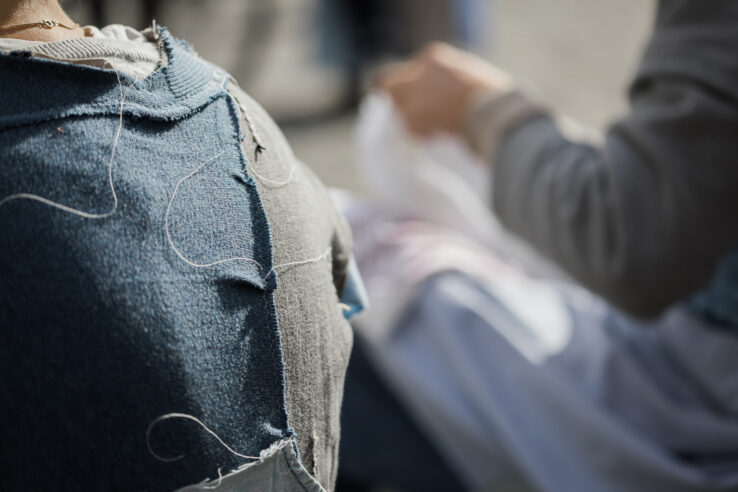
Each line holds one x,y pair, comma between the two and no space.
400,81
397,73
432,90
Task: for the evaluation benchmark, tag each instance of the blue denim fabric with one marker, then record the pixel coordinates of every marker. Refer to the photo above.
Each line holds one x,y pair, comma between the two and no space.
354,294
103,326
719,302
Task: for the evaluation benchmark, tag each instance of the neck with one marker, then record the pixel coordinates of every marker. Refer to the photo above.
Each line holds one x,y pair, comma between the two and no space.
19,12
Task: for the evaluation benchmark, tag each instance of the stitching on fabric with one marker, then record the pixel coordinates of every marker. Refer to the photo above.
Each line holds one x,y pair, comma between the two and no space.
182,108
193,264
275,451
301,474
177,112
259,148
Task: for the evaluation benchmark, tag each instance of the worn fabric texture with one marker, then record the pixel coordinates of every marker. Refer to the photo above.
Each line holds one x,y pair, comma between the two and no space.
278,468
137,278
316,339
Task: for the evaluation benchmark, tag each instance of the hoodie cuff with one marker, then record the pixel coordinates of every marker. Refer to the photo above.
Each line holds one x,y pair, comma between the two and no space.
491,115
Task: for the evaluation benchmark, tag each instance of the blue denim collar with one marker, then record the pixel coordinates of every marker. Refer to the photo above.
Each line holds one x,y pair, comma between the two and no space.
47,89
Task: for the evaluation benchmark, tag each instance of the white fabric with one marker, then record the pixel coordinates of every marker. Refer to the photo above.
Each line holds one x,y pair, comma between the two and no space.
511,372
123,48
117,32
429,201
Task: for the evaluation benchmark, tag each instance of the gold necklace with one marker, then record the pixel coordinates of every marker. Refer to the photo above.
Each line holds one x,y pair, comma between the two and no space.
43,24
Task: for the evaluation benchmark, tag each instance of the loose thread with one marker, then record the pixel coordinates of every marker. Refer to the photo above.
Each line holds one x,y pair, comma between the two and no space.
259,148
302,262
167,213
274,183
169,236
74,211
199,422
203,485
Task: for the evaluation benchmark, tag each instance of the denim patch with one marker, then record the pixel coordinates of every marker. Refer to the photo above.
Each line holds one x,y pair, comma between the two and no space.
354,296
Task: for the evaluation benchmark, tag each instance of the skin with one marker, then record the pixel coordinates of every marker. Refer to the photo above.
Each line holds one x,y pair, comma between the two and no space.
434,90
14,12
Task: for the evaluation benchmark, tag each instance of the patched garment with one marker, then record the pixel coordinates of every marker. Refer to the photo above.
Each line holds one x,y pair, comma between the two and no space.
170,279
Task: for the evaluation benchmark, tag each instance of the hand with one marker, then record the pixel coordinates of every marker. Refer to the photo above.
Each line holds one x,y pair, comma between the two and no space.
433,91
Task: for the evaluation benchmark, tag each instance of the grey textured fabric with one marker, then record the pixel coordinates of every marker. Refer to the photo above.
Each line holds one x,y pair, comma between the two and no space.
316,339
644,219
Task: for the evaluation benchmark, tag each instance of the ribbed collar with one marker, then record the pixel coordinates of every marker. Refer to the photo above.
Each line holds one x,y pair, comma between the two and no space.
89,48
35,89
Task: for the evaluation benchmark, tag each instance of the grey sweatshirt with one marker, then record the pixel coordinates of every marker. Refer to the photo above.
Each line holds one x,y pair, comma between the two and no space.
643,219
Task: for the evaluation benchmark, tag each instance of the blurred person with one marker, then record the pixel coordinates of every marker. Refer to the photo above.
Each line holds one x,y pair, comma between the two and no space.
629,384
170,273
360,35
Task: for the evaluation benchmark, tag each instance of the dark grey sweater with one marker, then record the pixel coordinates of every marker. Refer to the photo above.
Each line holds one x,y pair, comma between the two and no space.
644,219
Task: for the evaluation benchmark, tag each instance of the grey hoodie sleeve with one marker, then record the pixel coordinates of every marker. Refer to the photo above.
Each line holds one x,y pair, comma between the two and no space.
643,219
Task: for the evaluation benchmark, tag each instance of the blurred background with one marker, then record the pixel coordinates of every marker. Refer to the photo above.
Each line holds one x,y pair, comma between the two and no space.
309,61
